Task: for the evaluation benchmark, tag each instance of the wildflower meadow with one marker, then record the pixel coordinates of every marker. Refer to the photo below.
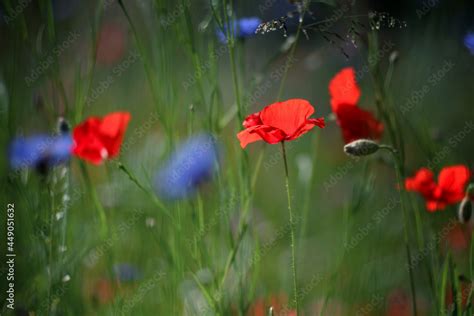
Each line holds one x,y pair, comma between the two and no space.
221,157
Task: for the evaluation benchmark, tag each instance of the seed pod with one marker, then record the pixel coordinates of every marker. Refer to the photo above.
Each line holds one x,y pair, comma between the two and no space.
361,147
465,210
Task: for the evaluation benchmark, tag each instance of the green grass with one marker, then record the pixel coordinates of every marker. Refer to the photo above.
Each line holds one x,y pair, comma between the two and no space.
220,251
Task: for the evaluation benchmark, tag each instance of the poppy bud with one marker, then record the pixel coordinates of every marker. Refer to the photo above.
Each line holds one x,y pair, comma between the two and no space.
465,210
361,147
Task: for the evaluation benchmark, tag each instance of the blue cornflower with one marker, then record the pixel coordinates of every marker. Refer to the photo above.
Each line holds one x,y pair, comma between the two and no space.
469,42
243,28
191,164
126,272
40,151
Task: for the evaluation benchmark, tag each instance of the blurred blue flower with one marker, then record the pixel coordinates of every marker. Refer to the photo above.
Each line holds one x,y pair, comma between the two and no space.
126,272
243,28
190,165
40,151
469,42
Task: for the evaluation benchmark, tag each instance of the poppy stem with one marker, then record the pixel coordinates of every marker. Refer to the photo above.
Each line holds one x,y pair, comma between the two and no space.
398,171
292,229
158,203
289,61
104,230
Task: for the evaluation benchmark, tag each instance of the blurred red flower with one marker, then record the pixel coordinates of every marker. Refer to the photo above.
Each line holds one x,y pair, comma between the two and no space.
111,44
457,238
398,304
279,304
355,122
103,292
278,122
465,288
97,139
450,188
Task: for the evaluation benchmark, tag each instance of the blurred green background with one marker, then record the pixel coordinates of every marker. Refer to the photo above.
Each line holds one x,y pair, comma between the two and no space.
165,66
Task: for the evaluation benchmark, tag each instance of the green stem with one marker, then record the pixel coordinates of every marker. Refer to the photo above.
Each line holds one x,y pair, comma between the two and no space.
79,108
148,67
242,225
104,230
235,81
398,170
150,194
422,246
292,228
50,255
233,253
389,116
194,53
308,192
288,61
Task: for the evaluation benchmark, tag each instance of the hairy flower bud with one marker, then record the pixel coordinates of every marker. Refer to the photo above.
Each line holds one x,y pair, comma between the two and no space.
465,210
361,147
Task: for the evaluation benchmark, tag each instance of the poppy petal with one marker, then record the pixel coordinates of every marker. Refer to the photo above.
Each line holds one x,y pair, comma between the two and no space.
112,130
422,182
246,137
452,182
450,188
357,123
310,124
97,139
435,205
288,116
343,88
86,143
269,134
252,120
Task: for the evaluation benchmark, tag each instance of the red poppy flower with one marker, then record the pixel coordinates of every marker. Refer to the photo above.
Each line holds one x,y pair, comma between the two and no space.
355,122
450,188
97,139
278,122
422,183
